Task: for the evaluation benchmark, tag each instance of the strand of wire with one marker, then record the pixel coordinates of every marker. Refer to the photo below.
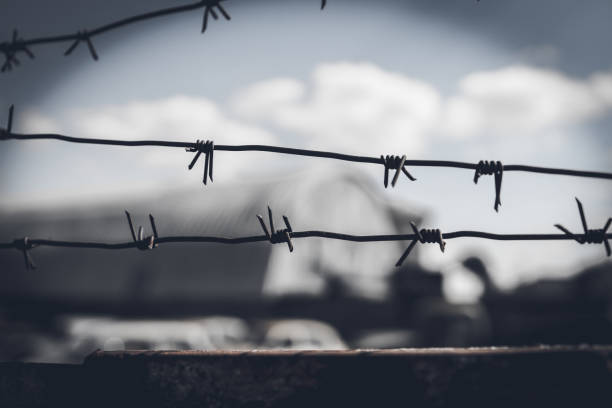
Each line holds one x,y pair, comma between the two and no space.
398,164
279,236
11,49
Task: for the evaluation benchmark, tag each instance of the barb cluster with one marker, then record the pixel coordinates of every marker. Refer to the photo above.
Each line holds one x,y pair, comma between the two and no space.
591,236
277,236
496,168
424,236
395,163
208,148
10,50
143,243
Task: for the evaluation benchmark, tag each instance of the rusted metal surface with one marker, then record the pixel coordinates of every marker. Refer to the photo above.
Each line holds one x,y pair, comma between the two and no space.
507,377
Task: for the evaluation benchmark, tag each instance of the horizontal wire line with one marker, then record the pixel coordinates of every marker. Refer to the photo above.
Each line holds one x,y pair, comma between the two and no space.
298,234
304,152
116,24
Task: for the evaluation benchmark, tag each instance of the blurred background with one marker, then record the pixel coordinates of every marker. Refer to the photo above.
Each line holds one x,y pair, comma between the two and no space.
520,82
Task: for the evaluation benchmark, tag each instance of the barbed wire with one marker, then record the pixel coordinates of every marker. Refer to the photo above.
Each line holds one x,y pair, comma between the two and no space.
286,235
17,45
389,162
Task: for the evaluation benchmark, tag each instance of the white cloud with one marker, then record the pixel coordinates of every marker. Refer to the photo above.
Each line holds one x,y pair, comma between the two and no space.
353,107
350,106
524,99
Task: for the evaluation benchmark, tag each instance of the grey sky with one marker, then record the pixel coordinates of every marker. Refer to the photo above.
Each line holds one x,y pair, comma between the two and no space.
440,44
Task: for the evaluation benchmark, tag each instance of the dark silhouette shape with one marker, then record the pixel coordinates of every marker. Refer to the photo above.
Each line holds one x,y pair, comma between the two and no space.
208,148
140,241
395,163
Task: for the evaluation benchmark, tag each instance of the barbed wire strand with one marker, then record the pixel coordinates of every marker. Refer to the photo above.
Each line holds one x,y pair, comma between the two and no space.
389,162
139,241
11,48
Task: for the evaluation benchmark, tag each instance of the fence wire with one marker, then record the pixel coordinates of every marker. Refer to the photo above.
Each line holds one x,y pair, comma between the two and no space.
16,45
389,162
287,235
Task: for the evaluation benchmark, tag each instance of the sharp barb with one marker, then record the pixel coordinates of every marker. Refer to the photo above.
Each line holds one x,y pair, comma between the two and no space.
263,226
153,227
416,231
225,13
213,13
195,159
289,243
398,171
271,220
205,20
210,168
72,47
402,258
206,159
582,217
607,245
605,228
140,233
410,176
9,125
287,223
129,218
92,50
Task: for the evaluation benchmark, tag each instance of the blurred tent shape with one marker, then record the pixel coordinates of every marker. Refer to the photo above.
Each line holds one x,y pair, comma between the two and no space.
337,199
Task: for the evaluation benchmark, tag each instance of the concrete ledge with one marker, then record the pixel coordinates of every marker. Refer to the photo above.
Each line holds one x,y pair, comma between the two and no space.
506,377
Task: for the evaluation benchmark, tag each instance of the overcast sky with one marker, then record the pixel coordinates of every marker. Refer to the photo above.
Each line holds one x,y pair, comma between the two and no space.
523,82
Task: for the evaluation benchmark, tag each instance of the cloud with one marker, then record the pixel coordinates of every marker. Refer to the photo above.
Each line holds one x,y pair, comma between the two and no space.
177,118
350,106
353,106
524,99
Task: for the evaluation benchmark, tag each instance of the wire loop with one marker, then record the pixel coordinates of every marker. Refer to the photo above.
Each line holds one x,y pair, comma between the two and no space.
590,236
83,36
277,236
396,163
485,167
208,148
424,236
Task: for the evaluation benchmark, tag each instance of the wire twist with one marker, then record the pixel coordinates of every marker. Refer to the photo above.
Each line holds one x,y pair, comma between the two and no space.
591,236
143,243
277,236
485,167
10,50
24,245
208,148
396,163
424,236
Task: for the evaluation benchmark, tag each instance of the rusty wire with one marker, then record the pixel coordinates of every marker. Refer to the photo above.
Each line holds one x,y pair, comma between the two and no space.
17,45
389,162
139,241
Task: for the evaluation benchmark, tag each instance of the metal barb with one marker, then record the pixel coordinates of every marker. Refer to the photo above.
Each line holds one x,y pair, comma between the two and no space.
142,242
323,3
396,163
590,236
486,167
423,236
208,148
276,236
210,9
24,245
10,50
83,36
